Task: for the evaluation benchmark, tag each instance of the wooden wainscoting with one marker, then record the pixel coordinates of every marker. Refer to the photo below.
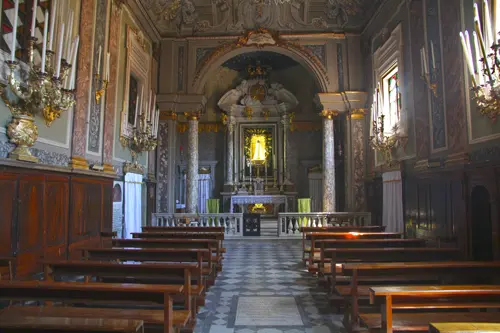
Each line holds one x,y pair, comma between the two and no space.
49,213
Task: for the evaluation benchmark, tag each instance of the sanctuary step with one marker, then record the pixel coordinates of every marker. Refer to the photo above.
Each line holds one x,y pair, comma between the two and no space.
268,226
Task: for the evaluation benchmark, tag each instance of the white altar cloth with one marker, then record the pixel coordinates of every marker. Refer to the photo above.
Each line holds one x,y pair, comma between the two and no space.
253,199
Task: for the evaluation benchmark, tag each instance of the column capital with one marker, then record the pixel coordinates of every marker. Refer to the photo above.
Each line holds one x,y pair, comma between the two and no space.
193,115
168,115
329,114
357,114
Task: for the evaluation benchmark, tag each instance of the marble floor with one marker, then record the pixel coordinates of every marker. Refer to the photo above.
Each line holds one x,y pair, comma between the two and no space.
264,288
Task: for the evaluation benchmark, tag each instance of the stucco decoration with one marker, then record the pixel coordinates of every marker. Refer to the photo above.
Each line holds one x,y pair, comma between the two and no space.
210,17
260,39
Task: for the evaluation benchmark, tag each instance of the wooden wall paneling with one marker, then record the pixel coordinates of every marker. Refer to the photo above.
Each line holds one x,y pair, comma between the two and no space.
30,223
8,201
56,216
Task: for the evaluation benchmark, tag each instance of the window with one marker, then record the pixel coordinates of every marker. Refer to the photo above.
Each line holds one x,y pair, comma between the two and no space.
392,100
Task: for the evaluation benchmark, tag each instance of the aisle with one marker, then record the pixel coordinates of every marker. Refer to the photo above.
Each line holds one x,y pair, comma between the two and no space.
263,288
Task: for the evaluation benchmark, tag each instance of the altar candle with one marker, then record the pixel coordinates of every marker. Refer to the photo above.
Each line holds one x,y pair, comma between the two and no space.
142,99
426,65
157,122
478,58
274,161
73,61
150,117
52,23
60,51
33,18
69,33
433,56
14,32
153,106
497,20
44,47
99,60
107,67
136,110
468,57
422,62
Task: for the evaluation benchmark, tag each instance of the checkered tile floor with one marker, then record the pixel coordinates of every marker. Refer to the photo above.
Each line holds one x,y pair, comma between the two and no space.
274,288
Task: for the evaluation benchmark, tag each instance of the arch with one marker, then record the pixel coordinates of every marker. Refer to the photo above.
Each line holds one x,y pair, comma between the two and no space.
117,193
481,228
295,52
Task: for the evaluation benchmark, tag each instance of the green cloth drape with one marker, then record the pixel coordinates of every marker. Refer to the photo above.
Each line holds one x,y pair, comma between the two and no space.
212,207
304,205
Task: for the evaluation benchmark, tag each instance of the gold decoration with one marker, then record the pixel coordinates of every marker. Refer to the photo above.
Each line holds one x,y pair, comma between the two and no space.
168,115
306,126
292,117
78,162
108,168
358,114
385,144
100,92
223,119
248,112
265,113
22,132
142,140
192,115
202,127
260,38
329,114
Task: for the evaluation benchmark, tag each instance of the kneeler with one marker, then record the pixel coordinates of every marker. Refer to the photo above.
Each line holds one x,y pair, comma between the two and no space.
304,205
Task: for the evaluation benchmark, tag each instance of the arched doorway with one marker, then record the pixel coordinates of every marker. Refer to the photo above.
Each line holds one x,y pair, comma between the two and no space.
482,242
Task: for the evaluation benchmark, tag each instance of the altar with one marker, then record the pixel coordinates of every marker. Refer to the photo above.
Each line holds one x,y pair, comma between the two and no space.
258,199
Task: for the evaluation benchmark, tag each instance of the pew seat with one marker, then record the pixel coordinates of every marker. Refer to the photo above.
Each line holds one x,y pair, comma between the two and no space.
148,316
464,327
419,322
17,323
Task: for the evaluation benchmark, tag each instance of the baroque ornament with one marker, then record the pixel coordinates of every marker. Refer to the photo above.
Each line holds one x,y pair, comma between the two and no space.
259,38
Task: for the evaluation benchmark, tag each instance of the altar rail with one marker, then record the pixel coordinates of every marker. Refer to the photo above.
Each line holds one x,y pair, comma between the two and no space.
289,223
232,222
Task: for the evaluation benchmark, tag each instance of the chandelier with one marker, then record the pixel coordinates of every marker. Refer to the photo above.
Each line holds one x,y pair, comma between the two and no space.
484,66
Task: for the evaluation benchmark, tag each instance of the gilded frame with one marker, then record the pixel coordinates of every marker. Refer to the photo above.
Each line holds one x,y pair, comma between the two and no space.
138,64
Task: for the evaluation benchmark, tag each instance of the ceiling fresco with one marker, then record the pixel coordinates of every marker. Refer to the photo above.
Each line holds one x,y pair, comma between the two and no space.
217,17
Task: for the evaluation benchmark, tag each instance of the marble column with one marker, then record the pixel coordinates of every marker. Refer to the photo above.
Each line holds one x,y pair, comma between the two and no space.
192,163
328,161
83,82
230,150
355,169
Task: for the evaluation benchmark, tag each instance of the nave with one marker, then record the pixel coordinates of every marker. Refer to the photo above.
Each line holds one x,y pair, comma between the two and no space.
266,273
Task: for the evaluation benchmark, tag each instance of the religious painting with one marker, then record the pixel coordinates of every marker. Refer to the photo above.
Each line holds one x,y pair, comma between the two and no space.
133,92
259,158
137,78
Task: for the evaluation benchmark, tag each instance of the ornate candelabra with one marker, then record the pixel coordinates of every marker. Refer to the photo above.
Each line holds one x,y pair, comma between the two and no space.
484,67
385,144
38,91
142,139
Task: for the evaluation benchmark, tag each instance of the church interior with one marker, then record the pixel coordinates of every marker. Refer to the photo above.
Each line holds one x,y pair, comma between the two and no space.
249,166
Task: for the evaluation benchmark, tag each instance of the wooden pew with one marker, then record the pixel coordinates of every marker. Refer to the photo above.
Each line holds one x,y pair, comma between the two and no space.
308,230
142,273
211,244
7,268
108,292
18,320
183,229
182,234
427,299
464,327
362,276
314,236
200,256
323,244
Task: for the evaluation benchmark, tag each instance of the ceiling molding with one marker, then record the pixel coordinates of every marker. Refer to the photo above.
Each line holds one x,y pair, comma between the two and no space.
144,21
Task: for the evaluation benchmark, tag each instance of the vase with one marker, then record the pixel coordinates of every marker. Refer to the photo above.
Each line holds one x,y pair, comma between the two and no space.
22,132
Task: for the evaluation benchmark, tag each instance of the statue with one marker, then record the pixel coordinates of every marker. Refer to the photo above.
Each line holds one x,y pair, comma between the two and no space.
233,96
259,154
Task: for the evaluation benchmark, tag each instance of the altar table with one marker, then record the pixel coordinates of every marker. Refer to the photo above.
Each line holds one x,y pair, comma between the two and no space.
254,199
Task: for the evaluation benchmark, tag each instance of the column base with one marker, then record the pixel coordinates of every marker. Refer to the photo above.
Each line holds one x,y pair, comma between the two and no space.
229,188
78,163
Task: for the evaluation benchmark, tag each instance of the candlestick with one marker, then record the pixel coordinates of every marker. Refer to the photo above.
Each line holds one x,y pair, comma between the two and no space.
481,44
478,58
52,23
73,61
99,60
60,51
14,33
107,67
426,65
44,47
136,110
69,33
433,56
33,18
488,27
